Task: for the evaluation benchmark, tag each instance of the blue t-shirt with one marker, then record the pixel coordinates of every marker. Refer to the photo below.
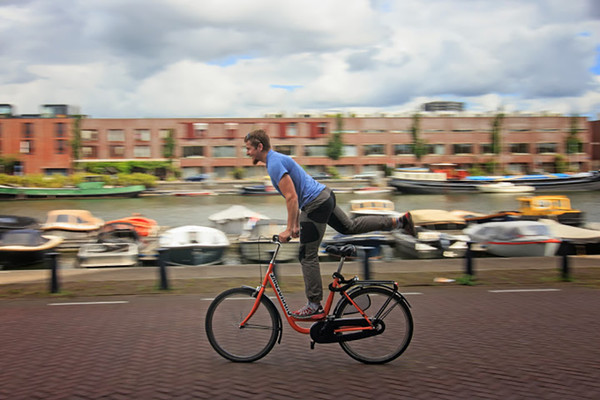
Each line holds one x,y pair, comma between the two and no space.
307,188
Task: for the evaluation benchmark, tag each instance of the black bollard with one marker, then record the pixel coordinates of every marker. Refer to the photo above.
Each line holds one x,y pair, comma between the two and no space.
469,259
51,260
162,268
565,250
366,265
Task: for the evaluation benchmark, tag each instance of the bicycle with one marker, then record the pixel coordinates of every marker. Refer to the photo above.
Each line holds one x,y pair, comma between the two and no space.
243,324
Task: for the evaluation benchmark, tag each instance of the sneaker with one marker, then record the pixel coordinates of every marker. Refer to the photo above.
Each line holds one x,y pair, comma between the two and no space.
309,312
407,224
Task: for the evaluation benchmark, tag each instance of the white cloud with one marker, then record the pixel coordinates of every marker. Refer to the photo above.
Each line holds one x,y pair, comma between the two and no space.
171,58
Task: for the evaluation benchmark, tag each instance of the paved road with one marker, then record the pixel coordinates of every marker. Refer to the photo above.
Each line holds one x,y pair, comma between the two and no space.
469,343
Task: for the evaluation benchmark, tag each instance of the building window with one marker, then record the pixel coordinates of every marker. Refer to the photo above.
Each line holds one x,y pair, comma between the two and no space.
61,146
231,129
546,148
116,151
486,148
164,133
116,135
26,147
291,129
141,151
462,148
519,148
400,149
89,152
89,134
223,151
315,151
436,149
193,151
27,130
322,130
200,129
60,129
349,150
374,150
142,135
287,150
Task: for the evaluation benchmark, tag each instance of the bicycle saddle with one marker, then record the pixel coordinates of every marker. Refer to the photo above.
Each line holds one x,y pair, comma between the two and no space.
341,250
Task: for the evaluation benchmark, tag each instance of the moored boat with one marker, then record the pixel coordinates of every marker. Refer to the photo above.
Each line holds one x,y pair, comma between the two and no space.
505,187
383,207
233,220
515,238
8,222
552,207
144,226
24,247
90,188
255,245
194,245
439,181
72,224
259,190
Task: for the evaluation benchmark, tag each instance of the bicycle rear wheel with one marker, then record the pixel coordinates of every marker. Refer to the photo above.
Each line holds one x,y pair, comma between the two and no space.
397,324
241,344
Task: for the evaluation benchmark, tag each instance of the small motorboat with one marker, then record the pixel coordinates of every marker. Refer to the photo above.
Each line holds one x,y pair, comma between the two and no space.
254,245
235,219
436,234
259,190
557,208
8,222
24,247
194,245
515,238
372,190
143,226
381,207
72,224
117,246
505,187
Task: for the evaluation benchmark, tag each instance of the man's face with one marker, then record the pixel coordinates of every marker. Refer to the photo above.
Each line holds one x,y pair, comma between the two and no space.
253,152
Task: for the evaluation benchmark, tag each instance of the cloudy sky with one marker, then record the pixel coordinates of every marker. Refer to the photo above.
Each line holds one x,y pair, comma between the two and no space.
245,58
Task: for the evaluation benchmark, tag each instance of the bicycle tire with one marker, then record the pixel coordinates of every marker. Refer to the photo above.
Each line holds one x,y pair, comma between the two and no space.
222,325
398,330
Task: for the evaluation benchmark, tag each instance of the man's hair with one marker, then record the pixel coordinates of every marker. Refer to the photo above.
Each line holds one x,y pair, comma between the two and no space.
258,136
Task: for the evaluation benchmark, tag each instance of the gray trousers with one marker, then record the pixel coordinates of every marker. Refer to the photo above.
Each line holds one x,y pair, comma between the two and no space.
314,218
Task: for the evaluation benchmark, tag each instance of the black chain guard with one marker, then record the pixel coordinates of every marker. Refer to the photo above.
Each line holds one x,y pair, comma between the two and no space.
324,331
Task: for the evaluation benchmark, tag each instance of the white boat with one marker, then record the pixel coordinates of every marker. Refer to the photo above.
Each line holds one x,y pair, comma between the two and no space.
97,255
194,245
360,208
235,219
372,190
515,238
437,234
505,187
254,245
586,240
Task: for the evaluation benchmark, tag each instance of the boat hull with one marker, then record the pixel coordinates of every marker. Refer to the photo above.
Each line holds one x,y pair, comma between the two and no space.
98,255
541,184
7,192
195,255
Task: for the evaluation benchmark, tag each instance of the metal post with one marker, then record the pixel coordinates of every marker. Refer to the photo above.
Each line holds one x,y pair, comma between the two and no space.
162,268
565,273
366,266
469,259
51,260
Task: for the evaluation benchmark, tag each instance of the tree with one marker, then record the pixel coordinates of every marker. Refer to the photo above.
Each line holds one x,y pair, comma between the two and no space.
335,146
76,140
169,148
418,144
573,143
496,138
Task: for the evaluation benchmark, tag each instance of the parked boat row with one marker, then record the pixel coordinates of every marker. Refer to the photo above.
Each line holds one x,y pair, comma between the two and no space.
446,178
539,227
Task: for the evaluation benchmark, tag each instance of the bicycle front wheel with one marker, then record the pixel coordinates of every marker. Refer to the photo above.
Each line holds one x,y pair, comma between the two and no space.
396,324
241,344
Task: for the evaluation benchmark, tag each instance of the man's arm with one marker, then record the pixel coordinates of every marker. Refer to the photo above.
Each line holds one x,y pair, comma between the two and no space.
286,186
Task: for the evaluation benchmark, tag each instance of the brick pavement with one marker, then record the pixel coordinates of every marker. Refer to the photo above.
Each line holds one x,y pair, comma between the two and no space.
468,343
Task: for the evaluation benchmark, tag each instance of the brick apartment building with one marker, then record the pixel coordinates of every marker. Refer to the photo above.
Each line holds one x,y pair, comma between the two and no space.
530,142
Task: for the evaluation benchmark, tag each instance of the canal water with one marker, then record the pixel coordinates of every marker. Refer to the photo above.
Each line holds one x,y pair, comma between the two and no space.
171,211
